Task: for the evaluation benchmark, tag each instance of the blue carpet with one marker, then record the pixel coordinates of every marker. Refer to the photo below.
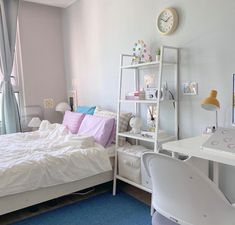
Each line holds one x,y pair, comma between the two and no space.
104,209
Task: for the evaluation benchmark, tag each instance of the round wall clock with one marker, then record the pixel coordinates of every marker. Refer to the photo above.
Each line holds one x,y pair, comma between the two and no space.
167,21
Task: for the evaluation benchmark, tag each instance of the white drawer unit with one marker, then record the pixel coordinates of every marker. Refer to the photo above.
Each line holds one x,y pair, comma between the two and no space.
129,162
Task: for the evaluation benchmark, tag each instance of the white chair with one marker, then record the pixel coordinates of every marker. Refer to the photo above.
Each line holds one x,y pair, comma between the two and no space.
183,194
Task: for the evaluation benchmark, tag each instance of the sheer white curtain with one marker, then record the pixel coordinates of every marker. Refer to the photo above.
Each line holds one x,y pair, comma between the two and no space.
8,26
14,81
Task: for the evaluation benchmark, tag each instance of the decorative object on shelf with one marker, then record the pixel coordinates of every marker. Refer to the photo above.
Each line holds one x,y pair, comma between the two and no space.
136,124
158,54
167,21
149,81
141,53
72,99
152,93
62,107
34,123
190,88
151,116
212,104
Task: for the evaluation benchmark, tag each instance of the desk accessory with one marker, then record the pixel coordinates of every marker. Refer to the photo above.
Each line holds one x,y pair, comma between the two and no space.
222,140
212,104
209,130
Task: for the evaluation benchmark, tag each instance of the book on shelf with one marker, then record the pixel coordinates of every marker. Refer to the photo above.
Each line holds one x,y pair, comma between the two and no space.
135,95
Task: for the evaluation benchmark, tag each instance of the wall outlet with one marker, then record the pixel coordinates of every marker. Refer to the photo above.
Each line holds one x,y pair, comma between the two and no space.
48,103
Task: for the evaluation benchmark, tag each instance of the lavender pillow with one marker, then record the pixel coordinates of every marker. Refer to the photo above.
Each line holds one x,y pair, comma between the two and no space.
100,128
72,121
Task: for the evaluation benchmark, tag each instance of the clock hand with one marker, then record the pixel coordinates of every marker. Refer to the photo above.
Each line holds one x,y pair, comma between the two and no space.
163,20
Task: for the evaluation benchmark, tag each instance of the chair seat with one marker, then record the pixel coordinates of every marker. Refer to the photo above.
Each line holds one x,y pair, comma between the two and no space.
159,219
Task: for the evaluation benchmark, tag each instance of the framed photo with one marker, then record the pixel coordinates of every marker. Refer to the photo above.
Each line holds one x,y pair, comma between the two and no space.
190,88
72,99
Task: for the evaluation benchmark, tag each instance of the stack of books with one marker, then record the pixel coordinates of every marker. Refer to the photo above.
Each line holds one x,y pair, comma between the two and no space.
135,95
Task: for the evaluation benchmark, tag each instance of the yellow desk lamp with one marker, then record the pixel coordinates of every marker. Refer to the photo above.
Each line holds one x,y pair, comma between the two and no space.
211,104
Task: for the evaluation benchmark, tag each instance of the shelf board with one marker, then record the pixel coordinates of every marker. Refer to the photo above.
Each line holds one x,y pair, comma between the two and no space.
147,139
154,63
144,101
134,184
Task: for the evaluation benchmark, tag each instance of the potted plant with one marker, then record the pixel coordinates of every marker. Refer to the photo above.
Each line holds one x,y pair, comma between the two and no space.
158,54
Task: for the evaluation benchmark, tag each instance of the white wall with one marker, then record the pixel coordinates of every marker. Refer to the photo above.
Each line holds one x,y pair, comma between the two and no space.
42,56
96,32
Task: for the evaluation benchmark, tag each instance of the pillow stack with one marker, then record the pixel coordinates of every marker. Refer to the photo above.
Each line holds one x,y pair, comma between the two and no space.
101,128
101,125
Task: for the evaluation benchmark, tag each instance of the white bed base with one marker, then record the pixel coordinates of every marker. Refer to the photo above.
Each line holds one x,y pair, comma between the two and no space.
14,202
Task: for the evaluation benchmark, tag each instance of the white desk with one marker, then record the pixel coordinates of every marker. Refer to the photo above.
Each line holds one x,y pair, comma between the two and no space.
192,147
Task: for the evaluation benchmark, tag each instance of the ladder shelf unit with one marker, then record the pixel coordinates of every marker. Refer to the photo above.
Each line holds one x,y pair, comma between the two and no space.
156,140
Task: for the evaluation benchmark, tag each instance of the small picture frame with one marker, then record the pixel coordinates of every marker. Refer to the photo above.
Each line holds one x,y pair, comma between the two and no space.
190,88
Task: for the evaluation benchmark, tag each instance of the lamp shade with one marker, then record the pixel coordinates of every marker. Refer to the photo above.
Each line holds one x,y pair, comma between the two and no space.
34,122
211,103
62,107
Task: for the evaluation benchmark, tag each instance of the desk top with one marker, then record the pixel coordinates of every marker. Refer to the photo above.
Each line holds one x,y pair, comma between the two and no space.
193,147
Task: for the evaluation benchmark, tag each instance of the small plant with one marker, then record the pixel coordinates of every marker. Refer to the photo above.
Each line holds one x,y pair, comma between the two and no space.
158,52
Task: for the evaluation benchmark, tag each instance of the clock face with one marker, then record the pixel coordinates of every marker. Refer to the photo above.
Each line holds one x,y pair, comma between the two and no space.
167,21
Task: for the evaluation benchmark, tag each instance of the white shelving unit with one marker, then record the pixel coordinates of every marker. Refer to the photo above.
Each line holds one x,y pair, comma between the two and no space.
157,141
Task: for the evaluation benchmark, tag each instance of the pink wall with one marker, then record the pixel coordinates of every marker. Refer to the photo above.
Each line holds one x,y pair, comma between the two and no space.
42,56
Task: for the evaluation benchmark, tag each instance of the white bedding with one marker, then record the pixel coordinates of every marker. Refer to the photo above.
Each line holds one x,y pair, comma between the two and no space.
47,157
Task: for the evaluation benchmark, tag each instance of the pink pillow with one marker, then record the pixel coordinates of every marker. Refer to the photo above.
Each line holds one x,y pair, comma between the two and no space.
99,127
73,120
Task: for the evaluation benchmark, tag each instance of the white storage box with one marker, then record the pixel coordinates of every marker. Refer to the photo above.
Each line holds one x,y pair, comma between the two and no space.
129,162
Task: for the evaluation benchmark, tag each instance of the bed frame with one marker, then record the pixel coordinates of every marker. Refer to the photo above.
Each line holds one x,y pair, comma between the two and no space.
22,200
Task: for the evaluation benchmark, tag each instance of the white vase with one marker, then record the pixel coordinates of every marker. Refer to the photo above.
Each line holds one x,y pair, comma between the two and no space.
157,58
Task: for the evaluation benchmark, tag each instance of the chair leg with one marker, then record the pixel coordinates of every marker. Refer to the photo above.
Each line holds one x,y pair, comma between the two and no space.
152,209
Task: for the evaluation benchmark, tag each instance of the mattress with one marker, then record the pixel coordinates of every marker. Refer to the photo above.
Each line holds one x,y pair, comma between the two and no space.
48,157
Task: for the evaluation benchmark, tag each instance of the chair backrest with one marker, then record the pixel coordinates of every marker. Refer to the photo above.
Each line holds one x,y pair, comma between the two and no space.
184,194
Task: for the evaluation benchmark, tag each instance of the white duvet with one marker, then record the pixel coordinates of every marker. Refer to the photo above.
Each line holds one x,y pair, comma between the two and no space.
47,157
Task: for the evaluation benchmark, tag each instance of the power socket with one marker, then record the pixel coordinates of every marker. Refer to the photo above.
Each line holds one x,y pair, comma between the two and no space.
48,103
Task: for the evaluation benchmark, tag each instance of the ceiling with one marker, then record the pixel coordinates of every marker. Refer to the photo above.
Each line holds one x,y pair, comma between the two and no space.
57,3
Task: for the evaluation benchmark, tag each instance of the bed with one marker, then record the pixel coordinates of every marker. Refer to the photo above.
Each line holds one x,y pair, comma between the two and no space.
49,163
